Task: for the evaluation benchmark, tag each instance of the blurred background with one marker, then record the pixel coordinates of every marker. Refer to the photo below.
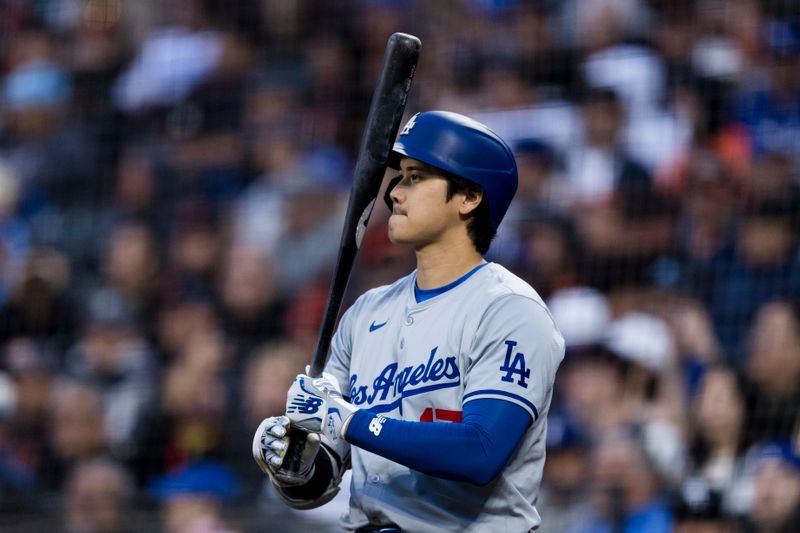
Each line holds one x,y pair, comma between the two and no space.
173,176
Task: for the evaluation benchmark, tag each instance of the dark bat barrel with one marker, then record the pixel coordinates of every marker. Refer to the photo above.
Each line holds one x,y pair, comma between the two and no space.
380,130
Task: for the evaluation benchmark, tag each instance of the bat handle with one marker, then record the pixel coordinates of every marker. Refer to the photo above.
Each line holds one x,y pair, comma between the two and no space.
315,369
297,441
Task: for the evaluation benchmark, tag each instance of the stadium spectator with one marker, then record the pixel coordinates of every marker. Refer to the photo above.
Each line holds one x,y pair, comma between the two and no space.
626,491
773,372
269,369
249,296
194,247
41,305
591,384
718,442
565,477
183,314
113,356
546,252
707,211
188,422
131,266
620,219
762,264
77,431
98,497
143,189
192,498
653,389
776,501
24,420
698,510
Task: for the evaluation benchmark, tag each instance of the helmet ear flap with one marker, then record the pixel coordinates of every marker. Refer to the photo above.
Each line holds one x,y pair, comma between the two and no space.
387,196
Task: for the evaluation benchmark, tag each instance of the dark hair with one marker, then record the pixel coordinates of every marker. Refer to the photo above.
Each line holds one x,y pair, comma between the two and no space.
479,226
699,448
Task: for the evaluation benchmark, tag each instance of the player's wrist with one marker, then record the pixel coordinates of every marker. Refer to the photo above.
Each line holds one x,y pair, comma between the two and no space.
346,424
346,410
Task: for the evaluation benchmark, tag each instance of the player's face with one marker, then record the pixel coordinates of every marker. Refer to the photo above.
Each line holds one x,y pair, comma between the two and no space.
421,213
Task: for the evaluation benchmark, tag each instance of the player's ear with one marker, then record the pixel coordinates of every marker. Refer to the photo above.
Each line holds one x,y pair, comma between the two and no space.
470,202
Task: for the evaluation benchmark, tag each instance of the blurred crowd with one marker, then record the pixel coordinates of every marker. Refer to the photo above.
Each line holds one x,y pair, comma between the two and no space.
173,177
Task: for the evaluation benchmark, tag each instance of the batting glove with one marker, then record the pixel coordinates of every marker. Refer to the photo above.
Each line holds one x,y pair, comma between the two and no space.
316,405
272,446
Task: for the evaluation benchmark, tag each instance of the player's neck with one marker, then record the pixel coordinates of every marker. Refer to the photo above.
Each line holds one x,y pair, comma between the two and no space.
439,264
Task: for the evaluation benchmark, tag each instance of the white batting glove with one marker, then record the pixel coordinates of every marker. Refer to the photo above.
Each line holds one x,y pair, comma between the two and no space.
272,445
316,405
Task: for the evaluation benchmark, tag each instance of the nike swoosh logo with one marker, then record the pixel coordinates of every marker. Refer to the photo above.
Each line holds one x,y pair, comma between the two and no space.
374,326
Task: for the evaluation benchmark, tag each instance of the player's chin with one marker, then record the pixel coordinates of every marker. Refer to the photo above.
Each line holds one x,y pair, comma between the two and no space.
398,232
396,222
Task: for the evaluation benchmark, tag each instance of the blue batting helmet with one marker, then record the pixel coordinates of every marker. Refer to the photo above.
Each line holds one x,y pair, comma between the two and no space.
464,147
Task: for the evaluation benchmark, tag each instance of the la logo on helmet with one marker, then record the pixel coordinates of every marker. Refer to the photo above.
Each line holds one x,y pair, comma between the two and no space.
409,125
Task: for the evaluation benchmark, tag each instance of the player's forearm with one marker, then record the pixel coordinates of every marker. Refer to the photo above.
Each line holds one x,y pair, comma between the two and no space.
474,451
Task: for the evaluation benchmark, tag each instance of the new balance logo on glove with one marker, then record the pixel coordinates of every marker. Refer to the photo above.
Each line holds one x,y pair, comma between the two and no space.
307,405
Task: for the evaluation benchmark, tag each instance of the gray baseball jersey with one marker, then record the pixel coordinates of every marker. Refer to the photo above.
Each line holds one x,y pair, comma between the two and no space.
489,337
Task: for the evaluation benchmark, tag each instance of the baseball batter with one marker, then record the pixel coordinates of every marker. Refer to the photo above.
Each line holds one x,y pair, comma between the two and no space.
437,388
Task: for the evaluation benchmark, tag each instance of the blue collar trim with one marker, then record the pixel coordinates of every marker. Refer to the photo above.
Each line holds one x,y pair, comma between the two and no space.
426,294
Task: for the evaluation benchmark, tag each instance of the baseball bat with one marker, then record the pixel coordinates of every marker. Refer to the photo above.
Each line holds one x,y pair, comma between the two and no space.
380,130
383,121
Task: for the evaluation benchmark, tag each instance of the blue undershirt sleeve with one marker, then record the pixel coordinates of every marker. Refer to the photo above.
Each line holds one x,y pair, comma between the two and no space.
475,451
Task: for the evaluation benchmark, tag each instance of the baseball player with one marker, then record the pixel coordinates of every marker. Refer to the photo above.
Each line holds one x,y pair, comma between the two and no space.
437,388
